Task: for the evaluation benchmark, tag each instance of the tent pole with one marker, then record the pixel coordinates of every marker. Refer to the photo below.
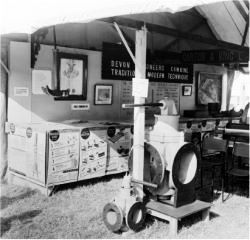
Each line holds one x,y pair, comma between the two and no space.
124,42
139,112
3,111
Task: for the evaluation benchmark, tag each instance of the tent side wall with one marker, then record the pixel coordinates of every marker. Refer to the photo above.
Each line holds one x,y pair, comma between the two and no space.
3,107
37,108
4,42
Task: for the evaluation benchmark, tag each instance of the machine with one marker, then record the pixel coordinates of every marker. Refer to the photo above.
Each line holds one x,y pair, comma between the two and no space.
170,169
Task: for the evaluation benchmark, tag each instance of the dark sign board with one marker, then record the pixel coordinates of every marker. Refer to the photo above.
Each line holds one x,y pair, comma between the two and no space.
214,56
117,65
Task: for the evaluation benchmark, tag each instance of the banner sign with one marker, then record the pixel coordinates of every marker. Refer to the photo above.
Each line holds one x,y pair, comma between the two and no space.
214,56
117,65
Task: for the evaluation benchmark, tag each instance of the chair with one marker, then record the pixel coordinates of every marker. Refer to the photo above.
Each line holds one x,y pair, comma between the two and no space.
240,164
213,154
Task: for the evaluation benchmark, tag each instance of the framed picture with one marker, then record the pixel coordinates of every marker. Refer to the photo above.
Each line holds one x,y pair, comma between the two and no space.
186,90
103,94
72,74
208,88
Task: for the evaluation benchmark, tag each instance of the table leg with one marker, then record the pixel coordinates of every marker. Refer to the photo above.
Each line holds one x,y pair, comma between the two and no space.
205,215
173,227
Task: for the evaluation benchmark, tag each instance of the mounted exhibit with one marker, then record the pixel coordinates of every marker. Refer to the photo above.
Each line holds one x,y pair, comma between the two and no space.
208,88
103,94
72,75
186,90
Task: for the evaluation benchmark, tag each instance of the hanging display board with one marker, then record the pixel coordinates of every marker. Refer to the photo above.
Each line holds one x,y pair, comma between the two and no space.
117,65
156,92
214,56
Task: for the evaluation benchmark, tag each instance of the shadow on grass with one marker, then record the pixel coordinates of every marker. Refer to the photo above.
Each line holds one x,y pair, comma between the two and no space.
88,182
185,222
195,218
149,221
24,218
239,189
6,201
213,215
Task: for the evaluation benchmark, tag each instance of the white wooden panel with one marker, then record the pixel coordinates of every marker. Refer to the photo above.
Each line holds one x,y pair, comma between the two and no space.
20,76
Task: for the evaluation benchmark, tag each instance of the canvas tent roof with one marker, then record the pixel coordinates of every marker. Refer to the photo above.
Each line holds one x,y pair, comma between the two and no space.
227,19
30,15
212,20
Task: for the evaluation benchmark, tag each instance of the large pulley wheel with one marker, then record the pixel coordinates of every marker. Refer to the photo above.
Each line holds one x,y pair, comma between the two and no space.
135,217
112,217
154,166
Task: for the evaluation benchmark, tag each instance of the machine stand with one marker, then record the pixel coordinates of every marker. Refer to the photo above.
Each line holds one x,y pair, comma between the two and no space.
173,214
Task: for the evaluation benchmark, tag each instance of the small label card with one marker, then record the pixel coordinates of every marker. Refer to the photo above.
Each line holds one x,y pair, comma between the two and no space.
80,106
140,87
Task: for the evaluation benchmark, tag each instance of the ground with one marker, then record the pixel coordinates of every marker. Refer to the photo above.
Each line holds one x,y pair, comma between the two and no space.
75,211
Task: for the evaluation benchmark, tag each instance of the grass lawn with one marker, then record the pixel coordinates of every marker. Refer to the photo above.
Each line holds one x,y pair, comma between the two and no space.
75,211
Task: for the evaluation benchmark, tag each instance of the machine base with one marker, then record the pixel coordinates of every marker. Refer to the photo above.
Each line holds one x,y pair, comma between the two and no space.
173,214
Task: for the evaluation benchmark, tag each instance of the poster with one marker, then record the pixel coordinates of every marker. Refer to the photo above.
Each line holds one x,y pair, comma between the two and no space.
208,88
71,75
156,92
40,78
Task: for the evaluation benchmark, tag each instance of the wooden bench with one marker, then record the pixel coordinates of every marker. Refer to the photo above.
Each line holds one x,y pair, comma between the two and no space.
173,215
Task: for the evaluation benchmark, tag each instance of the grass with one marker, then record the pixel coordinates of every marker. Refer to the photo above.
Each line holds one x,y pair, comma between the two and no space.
75,211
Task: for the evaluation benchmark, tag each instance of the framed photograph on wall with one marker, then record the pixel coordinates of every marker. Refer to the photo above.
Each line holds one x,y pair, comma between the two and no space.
103,94
208,88
72,73
186,90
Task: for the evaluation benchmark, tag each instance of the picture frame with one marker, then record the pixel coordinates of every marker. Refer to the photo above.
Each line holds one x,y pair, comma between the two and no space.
186,90
72,75
103,94
208,88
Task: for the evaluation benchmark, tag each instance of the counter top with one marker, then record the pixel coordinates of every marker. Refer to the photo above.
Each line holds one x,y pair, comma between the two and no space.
94,124
198,119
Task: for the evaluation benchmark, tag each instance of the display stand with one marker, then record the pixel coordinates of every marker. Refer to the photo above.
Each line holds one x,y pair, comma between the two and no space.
173,214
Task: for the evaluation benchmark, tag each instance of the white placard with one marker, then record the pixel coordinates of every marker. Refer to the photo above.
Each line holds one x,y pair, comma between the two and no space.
21,91
80,106
40,78
140,87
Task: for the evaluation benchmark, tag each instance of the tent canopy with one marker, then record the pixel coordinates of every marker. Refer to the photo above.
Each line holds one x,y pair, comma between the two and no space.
173,25
27,16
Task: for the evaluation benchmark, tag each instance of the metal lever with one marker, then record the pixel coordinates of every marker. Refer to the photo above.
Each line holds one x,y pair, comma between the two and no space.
144,183
142,105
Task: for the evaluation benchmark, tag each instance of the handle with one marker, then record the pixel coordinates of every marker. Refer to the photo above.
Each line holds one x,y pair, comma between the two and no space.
142,105
144,183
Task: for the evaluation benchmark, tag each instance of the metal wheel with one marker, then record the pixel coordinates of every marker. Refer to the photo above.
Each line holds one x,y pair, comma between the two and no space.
112,217
135,217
